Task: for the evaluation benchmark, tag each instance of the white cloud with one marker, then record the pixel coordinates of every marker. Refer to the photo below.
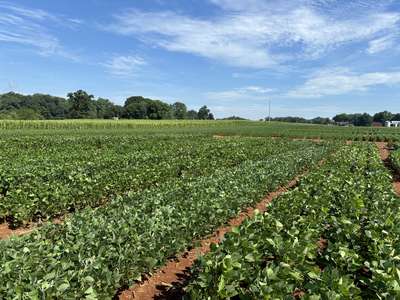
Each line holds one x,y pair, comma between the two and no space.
29,27
255,38
124,65
242,94
241,5
342,81
382,44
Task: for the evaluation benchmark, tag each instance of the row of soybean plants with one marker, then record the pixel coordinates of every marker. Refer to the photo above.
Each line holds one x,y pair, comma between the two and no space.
43,177
395,157
336,236
95,252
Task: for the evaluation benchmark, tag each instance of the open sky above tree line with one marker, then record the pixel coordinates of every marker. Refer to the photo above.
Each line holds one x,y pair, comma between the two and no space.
309,57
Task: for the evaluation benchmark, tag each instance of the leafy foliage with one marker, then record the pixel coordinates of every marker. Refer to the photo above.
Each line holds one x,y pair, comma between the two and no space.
198,127
334,237
97,251
81,105
50,176
395,158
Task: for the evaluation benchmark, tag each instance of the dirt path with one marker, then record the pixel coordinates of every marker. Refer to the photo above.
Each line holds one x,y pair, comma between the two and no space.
6,232
168,282
384,152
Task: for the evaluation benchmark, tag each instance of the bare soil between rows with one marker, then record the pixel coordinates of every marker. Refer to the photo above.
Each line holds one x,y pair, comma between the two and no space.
384,153
7,232
169,281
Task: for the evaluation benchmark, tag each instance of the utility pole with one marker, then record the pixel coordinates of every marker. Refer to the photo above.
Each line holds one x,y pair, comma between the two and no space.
269,110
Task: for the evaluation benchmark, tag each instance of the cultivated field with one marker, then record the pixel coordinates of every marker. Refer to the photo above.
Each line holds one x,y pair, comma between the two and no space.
146,209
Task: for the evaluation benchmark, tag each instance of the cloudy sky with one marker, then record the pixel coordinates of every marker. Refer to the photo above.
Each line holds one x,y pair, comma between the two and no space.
308,57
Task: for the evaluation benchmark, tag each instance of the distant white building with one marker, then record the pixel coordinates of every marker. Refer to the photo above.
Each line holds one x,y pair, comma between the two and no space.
392,123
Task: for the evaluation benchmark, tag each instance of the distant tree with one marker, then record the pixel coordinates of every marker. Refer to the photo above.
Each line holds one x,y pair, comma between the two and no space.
342,118
118,111
104,109
135,99
204,113
210,116
396,117
27,114
319,120
82,105
158,110
136,110
362,119
44,106
234,118
192,115
291,119
383,116
179,110
138,107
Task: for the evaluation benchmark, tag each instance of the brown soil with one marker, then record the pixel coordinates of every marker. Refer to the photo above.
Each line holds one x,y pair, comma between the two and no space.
298,294
384,153
168,282
396,186
383,150
322,244
317,140
6,232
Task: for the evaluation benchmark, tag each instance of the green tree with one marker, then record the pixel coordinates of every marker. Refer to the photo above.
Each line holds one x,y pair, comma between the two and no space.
342,118
82,105
179,110
136,110
27,114
383,116
104,109
396,117
138,107
203,113
192,115
362,119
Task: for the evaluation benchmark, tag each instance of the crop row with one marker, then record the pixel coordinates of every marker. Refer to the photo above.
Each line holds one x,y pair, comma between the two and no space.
336,236
49,176
395,158
97,251
196,127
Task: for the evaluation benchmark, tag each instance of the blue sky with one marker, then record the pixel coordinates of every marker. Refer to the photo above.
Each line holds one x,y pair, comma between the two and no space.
309,57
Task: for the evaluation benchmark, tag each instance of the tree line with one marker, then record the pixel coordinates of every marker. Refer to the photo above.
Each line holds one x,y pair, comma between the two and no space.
81,105
357,119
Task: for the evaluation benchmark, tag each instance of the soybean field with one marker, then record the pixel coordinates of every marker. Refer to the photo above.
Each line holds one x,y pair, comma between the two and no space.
95,209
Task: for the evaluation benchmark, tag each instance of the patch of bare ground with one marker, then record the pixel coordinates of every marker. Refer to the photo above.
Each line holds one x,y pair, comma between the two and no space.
6,232
169,281
384,153
218,137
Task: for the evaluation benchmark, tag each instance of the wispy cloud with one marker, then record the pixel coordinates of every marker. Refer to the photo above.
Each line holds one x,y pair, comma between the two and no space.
245,35
382,43
342,81
240,94
124,66
30,27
